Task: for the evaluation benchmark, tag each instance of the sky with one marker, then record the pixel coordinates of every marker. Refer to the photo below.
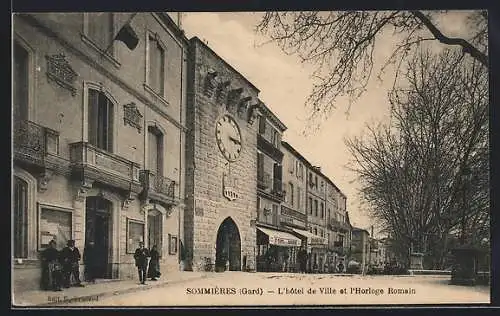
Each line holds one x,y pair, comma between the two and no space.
285,84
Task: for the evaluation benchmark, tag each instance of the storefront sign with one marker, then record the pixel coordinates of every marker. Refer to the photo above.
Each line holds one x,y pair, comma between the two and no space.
278,241
293,221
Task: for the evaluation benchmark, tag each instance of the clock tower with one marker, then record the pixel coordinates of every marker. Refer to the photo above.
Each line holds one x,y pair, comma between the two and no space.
221,164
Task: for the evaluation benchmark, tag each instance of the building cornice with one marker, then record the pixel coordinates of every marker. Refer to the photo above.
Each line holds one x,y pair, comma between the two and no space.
271,116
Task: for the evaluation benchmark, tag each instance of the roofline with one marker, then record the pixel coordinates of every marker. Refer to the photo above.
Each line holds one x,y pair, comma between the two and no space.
197,39
311,167
272,116
175,28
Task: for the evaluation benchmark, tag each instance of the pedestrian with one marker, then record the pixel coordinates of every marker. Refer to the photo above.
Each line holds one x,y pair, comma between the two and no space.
154,264
70,257
90,259
51,268
141,261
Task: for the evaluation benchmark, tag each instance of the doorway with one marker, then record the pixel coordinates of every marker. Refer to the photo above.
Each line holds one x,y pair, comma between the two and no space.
228,246
98,229
155,230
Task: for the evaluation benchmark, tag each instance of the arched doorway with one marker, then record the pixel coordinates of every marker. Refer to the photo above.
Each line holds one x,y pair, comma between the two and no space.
228,246
98,229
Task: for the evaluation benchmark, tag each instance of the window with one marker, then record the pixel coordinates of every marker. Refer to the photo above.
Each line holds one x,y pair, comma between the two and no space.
275,215
21,82
156,68
316,181
315,231
20,228
315,207
55,224
100,120
260,166
262,125
291,189
299,198
275,137
310,206
155,151
277,176
322,210
135,234
329,214
99,29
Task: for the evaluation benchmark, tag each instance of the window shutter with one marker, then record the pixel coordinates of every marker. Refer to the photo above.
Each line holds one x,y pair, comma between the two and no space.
262,125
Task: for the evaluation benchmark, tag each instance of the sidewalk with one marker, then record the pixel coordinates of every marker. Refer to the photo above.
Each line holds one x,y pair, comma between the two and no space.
100,289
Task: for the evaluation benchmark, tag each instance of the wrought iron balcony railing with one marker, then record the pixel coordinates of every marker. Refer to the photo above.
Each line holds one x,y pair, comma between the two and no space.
157,186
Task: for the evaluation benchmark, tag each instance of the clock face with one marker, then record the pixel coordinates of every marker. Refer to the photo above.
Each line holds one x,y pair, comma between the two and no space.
227,134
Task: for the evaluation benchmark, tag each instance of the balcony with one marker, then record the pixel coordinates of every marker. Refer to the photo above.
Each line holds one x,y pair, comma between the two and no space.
91,163
34,144
158,188
336,225
264,181
339,248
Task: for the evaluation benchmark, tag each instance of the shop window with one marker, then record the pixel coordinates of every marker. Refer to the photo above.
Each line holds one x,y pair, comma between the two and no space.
135,234
55,224
20,229
100,118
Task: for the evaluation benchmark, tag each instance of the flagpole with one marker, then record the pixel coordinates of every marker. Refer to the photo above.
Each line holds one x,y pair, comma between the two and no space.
114,35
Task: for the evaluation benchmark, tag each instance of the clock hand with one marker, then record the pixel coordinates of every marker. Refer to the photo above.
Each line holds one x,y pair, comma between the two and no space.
235,140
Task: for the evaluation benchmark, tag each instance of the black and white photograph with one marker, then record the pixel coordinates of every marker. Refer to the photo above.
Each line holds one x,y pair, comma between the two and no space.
271,158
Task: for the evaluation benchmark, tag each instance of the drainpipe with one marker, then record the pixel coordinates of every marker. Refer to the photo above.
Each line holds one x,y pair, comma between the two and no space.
182,155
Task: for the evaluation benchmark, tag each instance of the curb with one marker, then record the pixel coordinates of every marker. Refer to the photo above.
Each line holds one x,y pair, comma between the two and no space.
88,297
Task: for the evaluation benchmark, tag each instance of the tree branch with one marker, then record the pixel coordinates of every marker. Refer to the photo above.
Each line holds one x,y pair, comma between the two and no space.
466,46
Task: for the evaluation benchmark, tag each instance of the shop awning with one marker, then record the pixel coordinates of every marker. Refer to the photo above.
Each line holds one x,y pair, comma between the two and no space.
280,238
312,240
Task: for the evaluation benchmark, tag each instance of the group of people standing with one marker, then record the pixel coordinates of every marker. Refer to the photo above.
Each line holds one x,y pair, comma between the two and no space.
62,268
147,270
58,267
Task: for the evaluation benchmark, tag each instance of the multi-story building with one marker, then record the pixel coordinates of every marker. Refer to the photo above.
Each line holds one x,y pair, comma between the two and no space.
99,132
293,209
316,217
338,228
277,247
360,247
221,165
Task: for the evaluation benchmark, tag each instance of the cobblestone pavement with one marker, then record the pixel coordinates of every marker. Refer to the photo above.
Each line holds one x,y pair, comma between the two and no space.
239,288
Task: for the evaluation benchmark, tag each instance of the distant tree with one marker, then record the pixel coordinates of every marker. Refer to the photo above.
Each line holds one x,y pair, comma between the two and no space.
412,170
341,45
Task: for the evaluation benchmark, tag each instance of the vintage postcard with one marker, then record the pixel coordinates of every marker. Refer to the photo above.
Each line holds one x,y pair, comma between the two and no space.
173,159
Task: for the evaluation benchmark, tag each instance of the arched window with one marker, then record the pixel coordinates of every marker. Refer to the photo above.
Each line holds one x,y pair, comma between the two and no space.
20,228
100,118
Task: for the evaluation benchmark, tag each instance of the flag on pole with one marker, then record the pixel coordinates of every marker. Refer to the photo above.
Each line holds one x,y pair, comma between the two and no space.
128,36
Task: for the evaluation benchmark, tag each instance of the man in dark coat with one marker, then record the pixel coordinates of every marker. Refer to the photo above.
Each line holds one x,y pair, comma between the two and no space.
141,261
51,268
70,256
90,259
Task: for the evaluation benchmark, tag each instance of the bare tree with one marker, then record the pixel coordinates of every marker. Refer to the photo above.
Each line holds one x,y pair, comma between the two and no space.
412,171
341,46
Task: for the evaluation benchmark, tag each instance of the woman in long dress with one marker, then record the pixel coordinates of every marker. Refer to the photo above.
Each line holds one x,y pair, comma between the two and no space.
154,264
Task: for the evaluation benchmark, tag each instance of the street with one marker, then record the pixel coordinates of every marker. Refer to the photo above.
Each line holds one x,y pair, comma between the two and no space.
239,288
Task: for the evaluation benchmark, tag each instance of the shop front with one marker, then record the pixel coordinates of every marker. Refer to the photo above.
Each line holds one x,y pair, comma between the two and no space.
277,250
316,250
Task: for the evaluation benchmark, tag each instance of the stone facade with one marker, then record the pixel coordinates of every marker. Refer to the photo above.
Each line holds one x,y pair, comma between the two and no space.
216,90
64,64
